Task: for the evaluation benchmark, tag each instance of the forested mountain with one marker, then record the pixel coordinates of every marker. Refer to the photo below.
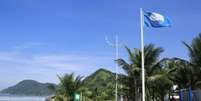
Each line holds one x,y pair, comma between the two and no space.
98,80
29,87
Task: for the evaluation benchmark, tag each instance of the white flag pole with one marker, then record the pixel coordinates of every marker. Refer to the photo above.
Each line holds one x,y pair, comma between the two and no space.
142,49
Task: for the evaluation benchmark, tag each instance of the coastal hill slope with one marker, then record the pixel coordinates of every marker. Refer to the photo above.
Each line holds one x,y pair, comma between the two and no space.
29,87
99,79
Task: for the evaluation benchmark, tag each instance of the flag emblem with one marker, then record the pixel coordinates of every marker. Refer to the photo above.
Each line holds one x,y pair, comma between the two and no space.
156,20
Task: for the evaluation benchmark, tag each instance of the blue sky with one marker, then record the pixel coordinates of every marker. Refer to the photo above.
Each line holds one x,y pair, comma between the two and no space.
43,38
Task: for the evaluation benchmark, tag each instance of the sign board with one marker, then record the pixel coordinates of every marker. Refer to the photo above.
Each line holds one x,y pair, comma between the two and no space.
77,97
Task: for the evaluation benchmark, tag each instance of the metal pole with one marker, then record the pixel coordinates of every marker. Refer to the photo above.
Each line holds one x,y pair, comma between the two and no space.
142,49
116,66
116,45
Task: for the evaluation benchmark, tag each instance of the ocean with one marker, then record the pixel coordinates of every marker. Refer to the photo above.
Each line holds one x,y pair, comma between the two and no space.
21,98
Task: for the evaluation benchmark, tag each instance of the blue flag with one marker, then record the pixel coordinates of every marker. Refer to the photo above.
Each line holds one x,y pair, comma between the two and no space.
156,20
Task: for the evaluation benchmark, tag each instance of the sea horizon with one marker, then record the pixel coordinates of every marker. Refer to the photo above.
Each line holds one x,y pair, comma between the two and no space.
22,98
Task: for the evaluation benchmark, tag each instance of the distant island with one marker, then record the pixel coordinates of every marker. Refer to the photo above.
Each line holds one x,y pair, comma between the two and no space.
97,79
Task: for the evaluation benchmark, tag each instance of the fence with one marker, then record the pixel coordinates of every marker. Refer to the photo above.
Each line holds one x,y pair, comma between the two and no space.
196,94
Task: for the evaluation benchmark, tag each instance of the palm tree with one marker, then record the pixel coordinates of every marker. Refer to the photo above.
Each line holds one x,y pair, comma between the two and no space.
195,61
68,86
187,73
160,86
132,80
181,73
160,82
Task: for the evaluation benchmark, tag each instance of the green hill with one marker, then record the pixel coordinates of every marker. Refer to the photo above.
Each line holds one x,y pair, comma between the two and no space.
98,80
29,87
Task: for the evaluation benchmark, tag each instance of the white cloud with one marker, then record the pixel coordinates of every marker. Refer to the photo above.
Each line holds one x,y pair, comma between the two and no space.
18,65
69,60
30,45
55,61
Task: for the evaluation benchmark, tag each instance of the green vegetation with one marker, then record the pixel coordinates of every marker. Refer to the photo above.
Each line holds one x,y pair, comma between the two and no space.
97,87
68,86
29,87
101,84
157,82
160,73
